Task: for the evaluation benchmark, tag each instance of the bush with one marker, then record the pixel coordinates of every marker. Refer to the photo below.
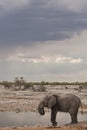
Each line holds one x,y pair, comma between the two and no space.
6,84
28,85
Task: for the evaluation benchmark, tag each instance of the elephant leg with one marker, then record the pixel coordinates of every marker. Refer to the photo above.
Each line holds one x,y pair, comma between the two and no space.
53,116
73,118
73,113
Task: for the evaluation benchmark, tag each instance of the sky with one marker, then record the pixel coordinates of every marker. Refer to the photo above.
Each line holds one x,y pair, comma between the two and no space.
43,40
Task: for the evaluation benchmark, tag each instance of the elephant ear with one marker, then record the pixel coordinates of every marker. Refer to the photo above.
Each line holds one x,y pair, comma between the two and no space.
52,101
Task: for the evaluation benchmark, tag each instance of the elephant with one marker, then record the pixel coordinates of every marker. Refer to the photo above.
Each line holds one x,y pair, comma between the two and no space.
61,103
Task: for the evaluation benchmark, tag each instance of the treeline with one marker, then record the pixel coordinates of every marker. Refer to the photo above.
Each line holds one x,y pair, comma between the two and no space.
59,83
44,83
18,82
21,83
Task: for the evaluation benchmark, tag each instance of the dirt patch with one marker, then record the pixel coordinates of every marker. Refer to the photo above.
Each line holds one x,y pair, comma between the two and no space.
79,126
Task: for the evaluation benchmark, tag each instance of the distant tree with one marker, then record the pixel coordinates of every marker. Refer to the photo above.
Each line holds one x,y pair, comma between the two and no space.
16,81
22,81
42,82
6,84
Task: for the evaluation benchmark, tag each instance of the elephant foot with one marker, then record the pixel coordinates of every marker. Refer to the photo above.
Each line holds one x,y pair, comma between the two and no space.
54,124
74,122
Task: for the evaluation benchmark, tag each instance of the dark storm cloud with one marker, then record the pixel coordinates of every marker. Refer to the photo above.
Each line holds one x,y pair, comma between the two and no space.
38,22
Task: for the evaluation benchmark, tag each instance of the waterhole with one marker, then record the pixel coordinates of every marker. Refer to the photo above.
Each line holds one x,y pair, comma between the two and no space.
9,119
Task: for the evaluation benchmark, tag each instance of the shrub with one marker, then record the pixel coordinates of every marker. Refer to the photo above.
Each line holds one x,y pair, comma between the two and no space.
6,84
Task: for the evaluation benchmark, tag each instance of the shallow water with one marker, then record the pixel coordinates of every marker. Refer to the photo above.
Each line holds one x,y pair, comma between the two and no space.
8,119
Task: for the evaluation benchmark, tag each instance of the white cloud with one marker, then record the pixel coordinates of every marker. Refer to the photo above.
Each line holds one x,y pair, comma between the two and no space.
62,59
43,59
68,60
75,61
25,58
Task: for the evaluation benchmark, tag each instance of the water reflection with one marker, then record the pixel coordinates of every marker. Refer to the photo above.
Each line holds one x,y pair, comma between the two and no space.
8,119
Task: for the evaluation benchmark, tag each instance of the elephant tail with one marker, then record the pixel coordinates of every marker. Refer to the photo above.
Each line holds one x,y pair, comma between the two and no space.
81,107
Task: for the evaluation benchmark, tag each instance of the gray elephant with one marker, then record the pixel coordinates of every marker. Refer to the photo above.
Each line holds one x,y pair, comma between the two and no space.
63,103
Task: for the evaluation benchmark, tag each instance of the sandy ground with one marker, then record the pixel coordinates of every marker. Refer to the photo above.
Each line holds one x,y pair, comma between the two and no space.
29,100
79,126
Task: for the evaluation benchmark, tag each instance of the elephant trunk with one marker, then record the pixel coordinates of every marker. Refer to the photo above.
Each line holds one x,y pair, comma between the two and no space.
41,109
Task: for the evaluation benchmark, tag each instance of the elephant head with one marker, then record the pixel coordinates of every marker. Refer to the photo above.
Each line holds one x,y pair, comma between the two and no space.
48,101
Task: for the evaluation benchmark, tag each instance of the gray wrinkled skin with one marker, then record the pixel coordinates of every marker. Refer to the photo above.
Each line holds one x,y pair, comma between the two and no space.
63,103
